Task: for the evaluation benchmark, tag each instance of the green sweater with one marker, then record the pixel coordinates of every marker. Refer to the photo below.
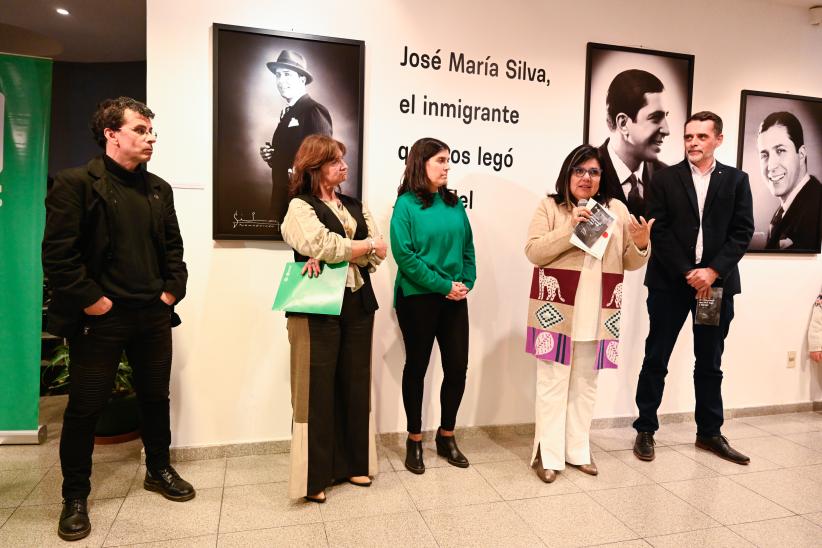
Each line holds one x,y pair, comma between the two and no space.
433,247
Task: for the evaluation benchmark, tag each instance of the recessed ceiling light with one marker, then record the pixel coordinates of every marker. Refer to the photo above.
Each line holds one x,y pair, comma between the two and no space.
62,11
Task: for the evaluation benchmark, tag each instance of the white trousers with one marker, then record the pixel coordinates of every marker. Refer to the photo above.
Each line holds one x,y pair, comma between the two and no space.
564,408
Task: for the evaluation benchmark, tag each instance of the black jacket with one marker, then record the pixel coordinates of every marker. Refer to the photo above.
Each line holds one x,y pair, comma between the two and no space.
613,186
79,241
802,222
727,226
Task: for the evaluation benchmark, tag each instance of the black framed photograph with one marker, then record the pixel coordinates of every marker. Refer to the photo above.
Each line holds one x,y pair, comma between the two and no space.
271,90
636,104
780,148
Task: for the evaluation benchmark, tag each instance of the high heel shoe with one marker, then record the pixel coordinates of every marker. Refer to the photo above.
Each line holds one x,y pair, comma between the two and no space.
447,447
319,498
413,456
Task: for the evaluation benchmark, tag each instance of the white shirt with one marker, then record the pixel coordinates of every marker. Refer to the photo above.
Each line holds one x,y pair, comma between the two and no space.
701,182
623,172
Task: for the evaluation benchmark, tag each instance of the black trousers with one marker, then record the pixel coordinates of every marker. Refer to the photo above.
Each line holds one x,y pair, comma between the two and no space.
422,319
667,311
145,335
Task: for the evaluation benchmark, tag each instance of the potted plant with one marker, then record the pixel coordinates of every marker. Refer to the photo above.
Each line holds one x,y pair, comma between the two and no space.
120,420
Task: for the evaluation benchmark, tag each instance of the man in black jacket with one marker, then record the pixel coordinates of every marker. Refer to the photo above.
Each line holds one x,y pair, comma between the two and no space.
704,223
301,117
113,254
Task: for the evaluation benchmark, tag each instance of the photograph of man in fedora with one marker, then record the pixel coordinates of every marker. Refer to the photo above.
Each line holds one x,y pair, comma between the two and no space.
272,89
301,116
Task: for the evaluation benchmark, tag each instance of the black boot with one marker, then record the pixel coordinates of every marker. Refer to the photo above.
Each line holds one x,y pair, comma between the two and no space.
74,523
447,447
413,456
168,483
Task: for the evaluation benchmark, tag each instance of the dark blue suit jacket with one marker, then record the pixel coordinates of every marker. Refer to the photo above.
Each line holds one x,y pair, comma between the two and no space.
727,226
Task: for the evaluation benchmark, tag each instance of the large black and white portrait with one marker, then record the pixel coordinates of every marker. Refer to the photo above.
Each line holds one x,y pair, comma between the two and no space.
780,147
636,104
271,90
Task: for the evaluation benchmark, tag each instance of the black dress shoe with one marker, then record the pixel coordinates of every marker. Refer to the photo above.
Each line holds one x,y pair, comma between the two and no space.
74,523
720,447
447,447
644,446
413,456
168,483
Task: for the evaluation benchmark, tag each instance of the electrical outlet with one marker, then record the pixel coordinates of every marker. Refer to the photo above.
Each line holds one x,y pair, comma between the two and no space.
792,358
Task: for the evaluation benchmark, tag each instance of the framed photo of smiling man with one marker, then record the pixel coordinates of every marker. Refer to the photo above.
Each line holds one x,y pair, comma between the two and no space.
780,147
636,104
271,90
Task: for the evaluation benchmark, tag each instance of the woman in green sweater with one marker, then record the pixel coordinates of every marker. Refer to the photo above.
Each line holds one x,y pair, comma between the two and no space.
432,244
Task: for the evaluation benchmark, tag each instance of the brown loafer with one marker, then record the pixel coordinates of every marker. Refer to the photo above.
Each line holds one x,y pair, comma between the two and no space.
547,476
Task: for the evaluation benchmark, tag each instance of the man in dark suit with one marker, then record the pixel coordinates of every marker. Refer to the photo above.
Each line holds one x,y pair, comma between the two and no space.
783,158
301,117
704,223
638,123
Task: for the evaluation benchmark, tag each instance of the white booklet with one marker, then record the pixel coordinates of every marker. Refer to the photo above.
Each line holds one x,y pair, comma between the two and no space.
593,235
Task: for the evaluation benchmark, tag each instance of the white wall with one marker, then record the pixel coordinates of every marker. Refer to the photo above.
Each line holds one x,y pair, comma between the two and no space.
230,381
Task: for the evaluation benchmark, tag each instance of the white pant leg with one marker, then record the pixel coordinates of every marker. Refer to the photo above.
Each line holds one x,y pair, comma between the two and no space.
551,405
582,393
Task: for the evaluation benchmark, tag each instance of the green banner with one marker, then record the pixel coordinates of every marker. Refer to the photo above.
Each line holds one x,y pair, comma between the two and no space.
25,102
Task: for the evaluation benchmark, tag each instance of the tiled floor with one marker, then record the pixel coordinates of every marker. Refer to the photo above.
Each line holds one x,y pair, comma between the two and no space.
686,497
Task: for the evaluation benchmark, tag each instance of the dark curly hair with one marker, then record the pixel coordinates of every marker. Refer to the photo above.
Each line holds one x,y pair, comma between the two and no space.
415,179
578,156
109,114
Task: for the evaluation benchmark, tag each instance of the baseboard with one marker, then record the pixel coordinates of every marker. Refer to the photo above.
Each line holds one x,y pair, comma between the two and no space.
497,431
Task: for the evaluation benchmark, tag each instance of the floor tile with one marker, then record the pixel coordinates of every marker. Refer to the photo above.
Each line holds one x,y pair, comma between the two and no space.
571,520
616,439
652,510
207,541
4,514
722,466
15,485
488,525
152,518
394,530
202,474
788,423
257,469
387,495
447,487
738,429
264,506
130,450
514,479
816,517
613,473
811,440
726,501
718,537
795,532
36,526
23,457
636,543
788,488
669,465
779,450
109,480
310,535
813,472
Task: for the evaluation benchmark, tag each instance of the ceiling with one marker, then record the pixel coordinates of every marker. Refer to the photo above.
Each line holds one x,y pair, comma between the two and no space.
99,30
96,31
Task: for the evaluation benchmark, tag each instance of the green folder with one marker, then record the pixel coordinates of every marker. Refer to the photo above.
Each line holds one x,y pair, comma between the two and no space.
322,294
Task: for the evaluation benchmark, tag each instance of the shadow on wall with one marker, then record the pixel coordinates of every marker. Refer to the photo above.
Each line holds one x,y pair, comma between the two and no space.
77,88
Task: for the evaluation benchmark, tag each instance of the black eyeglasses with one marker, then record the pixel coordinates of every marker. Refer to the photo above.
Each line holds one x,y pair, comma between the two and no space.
593,173
141,131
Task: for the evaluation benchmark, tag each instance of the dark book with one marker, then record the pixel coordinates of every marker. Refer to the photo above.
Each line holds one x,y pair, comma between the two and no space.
707,310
